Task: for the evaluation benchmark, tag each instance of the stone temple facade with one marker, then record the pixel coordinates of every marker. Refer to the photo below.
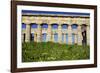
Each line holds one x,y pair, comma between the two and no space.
59,27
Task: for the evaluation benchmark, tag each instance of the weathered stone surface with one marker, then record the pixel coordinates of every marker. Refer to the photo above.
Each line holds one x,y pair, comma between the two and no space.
50,32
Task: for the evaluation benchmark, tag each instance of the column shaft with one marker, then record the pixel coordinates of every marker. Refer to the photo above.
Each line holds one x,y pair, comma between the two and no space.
69,34
39,33
22,37
53,37
28,31
64,38
35,37
49,33
76,39
88,35
59,34
79,35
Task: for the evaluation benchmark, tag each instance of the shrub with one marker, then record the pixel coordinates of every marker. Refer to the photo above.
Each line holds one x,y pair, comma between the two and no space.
49,51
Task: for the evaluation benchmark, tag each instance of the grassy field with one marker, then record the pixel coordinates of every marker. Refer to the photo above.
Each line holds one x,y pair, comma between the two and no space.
36,52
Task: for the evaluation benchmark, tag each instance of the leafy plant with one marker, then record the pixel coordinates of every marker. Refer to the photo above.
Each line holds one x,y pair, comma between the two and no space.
49,51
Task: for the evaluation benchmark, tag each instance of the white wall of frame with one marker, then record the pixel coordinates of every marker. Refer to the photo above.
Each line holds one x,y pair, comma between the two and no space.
5,36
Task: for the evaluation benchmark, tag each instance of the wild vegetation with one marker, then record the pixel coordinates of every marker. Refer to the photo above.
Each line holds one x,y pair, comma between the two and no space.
48,51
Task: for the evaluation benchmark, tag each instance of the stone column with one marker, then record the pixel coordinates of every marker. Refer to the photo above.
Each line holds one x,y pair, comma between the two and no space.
28,32
69,35
76,39
49,33
88,35
52,37
59,34
22,37
35,37
79,35
65,38
39,33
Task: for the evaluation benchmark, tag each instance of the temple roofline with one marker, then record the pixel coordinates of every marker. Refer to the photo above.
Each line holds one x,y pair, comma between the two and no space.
52,13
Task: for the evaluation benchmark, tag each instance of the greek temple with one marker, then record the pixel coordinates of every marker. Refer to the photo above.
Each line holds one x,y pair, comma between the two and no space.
59,27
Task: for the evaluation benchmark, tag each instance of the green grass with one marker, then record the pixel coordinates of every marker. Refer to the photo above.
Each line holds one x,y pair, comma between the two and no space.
36,52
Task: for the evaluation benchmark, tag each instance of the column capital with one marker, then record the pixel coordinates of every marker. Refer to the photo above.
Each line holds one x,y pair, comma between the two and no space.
27,23
59,24
88,25
79,28
59,27
79,25
70,25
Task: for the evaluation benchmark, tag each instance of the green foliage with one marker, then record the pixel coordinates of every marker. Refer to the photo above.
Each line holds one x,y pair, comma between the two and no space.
49,51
